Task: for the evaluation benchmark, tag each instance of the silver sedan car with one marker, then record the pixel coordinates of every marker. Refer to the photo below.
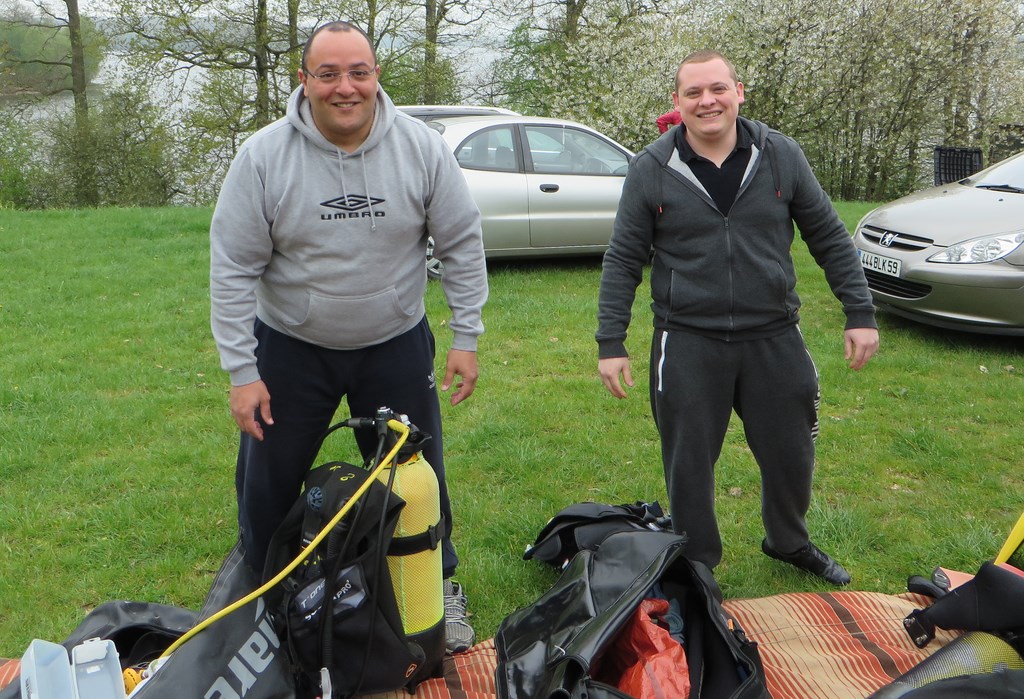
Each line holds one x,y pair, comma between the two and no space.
953,255
545,187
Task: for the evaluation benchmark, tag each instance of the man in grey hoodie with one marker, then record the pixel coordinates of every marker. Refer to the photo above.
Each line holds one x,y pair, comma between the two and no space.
317,278
716,199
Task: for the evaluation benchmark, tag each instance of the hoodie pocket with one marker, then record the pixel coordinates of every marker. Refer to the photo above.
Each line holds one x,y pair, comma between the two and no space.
762,295
697,295
352,322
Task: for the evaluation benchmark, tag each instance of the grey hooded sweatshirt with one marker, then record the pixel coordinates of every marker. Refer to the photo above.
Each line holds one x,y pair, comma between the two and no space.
330,247
724,274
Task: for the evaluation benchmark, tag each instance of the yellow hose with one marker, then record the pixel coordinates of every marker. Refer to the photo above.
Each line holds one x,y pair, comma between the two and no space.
1013,542
395,425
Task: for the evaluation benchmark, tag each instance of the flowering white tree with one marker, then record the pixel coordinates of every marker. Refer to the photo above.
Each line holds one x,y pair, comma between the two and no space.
618,77
615,74
870,87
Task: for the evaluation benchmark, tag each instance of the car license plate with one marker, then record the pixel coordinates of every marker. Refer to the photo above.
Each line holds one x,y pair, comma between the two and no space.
878,263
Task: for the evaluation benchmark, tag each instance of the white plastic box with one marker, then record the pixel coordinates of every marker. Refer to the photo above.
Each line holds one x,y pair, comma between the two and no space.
97,670
93,671
46,672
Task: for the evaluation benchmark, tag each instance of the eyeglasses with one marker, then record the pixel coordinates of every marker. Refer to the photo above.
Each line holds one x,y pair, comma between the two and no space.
333,77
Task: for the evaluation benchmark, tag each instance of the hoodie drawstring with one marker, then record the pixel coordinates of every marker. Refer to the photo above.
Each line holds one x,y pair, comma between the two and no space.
773,164
366,187
341,169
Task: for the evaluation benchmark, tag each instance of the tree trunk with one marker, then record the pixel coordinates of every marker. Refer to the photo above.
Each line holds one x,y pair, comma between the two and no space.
573,14
295,56
371,21
84,177
262,66
433,20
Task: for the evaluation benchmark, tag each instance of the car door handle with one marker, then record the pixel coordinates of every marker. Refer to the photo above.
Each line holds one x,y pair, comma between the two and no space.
549,188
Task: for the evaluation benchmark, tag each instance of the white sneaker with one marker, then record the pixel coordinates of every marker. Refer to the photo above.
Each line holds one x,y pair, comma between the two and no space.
459,635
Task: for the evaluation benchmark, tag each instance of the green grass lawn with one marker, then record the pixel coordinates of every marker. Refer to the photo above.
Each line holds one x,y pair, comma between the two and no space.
117,449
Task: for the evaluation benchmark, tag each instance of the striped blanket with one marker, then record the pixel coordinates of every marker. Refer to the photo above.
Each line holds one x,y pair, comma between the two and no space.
830,645
839,645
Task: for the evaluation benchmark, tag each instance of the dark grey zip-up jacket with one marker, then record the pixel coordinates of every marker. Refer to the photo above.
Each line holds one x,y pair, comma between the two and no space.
727,275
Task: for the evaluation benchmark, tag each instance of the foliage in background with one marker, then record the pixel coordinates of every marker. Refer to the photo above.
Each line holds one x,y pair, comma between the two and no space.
246,38
403,80
117,449
130,152
579,60
209,133
133,148
18,165
34,54
514,80
70,48
868,88
597,80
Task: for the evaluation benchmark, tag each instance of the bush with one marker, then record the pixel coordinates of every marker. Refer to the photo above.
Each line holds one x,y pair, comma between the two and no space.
17,163
122,159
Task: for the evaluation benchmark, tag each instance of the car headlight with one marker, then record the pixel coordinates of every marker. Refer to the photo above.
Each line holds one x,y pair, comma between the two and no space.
985,249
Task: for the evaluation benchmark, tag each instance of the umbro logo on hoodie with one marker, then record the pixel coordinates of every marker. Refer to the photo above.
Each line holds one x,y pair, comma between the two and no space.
352,206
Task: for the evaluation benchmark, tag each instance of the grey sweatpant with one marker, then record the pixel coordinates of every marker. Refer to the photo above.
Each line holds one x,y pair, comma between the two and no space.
772,384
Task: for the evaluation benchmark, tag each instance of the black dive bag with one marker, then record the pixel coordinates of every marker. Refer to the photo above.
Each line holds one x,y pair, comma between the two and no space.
548,649
336,613
238,655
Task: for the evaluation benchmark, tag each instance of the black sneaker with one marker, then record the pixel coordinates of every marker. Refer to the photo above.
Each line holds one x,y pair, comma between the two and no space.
813,560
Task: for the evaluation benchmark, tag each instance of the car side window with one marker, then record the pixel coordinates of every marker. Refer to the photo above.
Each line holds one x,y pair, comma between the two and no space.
490,149
565,150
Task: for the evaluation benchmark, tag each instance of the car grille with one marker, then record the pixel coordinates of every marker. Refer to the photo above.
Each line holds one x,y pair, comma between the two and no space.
894,239
893,286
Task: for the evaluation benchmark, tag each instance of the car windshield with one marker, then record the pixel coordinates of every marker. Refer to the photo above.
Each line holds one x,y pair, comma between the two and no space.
1007,176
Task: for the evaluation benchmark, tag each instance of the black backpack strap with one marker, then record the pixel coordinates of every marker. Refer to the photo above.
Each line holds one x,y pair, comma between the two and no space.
424,541
340,542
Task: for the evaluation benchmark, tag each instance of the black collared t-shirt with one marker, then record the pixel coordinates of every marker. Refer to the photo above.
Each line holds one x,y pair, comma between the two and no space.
722,183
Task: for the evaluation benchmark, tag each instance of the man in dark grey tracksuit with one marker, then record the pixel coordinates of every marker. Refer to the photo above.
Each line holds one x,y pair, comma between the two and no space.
717,199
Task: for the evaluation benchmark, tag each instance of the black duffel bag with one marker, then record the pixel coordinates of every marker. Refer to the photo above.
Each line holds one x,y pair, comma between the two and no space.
548,649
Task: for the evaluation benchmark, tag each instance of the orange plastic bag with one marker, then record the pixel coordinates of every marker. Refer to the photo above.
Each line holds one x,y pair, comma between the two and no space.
653,664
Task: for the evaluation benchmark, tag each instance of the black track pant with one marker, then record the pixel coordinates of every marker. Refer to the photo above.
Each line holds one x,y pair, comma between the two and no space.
306,384
772,384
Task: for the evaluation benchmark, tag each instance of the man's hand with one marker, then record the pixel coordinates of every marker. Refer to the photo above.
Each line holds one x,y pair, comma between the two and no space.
861,345
245,401
610,370
460,363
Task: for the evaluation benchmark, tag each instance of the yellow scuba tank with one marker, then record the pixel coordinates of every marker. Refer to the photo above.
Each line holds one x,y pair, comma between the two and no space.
414,557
